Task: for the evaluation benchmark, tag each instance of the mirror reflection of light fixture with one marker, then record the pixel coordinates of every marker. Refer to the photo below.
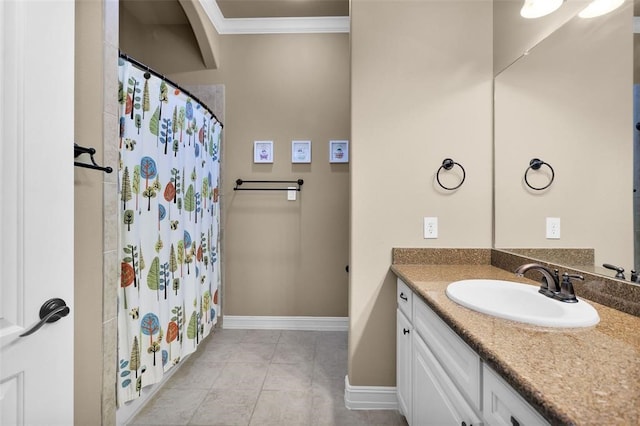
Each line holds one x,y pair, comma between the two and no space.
600,7
538,8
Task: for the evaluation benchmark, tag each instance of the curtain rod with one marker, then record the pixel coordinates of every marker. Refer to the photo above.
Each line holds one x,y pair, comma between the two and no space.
177,86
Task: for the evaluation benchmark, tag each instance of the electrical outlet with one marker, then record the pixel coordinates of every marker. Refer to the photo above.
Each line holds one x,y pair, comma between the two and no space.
291,193
430,227
553,228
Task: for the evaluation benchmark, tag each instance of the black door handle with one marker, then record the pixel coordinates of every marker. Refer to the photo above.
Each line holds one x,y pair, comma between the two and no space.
50,311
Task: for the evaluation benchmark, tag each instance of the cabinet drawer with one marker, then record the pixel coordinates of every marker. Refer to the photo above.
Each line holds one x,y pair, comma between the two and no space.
503,406
404,296
457,358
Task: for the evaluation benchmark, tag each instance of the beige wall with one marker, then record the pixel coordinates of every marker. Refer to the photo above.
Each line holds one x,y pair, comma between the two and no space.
284,257
167,48
569,103
421,91
514,35
95,256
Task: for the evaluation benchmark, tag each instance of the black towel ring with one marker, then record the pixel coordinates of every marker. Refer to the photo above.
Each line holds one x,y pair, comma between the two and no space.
535,164
447,164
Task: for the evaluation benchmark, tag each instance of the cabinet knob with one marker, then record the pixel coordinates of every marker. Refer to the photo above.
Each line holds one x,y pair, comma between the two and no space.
405,331
403,297
514,422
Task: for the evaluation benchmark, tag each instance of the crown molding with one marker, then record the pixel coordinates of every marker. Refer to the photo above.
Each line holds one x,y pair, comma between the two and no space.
337,24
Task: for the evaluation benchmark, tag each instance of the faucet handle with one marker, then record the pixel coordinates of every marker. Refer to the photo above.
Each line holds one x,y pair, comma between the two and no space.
567,294
619,270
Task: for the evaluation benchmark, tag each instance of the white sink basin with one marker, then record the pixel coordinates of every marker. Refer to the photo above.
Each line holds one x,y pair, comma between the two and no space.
520,302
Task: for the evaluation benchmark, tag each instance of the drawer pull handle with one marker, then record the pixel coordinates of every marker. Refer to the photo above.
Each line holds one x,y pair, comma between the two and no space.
405,331
403,297
514,422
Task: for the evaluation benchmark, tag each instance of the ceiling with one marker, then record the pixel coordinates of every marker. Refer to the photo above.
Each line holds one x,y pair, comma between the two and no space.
282,8
169,12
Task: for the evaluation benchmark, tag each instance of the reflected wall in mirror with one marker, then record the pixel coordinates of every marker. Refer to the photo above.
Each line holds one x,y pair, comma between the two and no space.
569,103
514,36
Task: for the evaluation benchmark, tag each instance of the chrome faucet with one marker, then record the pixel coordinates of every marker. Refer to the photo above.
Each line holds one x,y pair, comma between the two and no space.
550,284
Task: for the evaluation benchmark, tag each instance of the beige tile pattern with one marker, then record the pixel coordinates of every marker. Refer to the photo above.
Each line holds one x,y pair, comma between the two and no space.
226,408
289,377
110,219
109,336
571,376
262,377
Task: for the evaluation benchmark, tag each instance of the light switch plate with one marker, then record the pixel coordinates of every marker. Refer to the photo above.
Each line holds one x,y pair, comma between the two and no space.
430,227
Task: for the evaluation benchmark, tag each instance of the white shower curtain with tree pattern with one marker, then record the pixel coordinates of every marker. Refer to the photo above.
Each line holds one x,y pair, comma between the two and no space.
169,219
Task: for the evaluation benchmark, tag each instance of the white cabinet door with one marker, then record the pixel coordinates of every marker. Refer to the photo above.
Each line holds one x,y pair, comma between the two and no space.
503,406
436,401
462,363
404,331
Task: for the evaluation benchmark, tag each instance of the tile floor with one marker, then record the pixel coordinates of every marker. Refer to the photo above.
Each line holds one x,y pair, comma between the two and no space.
262,377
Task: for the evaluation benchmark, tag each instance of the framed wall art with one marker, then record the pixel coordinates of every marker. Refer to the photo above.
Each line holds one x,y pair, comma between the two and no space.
263,151
300,151
338,151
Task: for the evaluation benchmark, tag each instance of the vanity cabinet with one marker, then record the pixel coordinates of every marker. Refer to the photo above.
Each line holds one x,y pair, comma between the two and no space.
442,381
427,394
404,348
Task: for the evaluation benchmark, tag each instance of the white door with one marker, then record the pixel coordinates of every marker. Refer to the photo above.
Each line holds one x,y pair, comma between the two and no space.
36,202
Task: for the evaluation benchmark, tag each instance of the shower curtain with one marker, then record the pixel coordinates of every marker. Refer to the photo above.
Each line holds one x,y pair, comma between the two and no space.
170,221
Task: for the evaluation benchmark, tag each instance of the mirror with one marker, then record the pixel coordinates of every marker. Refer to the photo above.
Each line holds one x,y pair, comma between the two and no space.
566,99
515,36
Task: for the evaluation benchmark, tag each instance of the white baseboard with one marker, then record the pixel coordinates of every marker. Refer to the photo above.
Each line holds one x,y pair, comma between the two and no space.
369,397
286,323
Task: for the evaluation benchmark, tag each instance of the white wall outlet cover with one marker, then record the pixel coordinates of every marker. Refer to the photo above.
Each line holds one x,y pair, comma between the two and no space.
430,227
553,228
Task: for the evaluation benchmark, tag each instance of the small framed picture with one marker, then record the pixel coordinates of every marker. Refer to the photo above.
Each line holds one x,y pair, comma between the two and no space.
338,151
263,151
300,151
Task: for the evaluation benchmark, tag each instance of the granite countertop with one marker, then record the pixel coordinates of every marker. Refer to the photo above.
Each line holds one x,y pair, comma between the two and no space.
582,376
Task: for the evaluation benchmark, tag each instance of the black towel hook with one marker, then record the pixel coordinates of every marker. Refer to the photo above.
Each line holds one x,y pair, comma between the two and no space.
79,150
536,164
447,164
